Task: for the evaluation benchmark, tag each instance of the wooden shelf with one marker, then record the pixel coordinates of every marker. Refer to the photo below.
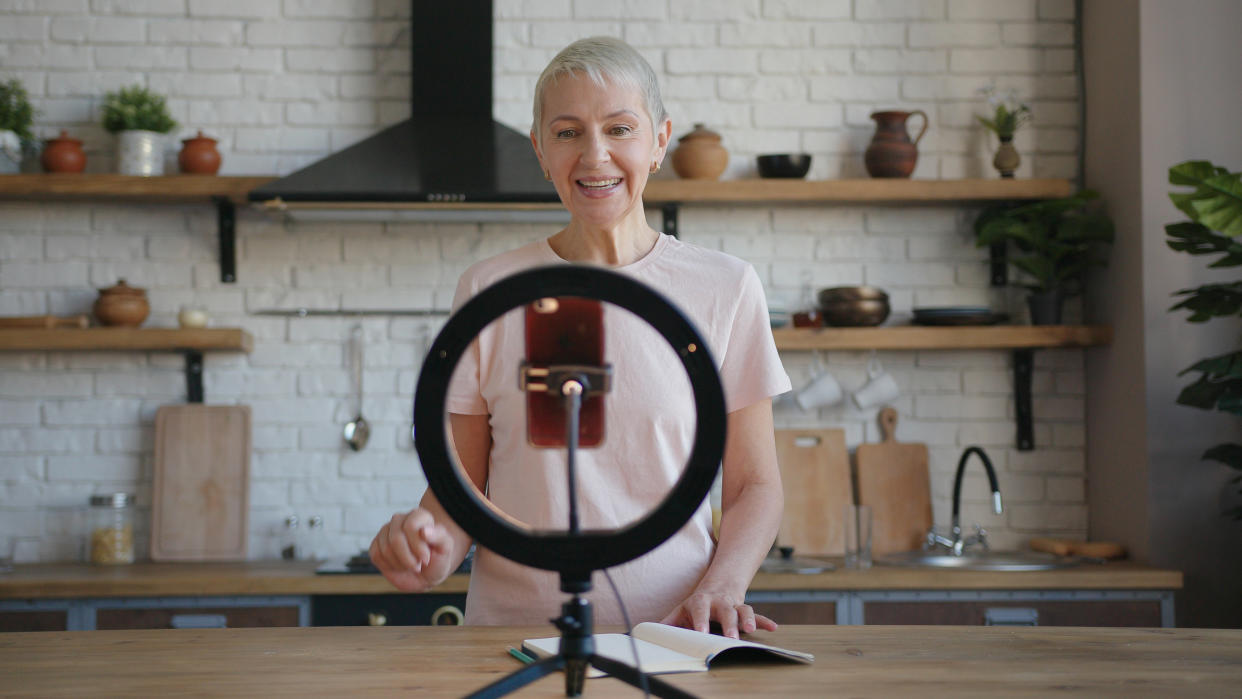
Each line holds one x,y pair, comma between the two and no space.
136,339
747,191
170,188
917,337
767,191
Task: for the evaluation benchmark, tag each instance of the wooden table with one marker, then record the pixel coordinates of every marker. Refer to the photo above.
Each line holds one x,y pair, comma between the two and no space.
451,661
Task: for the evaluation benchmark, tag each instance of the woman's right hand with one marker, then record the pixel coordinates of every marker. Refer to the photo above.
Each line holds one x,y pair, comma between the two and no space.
412,551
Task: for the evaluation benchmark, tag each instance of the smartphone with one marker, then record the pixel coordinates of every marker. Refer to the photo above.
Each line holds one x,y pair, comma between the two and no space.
564,330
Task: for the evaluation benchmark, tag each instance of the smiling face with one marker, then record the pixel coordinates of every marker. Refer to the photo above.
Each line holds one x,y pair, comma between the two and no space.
598,145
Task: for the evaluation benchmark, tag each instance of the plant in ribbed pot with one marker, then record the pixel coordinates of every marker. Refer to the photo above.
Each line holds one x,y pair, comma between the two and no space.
1054,243
16,118
1215,211
140,118
1009,115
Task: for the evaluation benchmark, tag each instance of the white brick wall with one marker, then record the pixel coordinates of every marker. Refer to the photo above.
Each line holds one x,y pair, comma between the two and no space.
283,82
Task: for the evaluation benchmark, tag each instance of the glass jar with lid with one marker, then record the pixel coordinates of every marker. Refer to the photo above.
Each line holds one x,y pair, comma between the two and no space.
110,523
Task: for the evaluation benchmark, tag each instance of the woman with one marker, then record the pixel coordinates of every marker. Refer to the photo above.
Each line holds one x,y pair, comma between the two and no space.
599,130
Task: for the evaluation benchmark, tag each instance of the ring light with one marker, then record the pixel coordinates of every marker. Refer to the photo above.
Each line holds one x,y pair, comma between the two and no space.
556,551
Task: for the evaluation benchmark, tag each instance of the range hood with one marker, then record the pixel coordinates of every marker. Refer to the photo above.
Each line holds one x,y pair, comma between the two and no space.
450,153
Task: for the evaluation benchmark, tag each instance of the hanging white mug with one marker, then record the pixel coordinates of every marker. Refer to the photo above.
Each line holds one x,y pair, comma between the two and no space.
880,388
821,391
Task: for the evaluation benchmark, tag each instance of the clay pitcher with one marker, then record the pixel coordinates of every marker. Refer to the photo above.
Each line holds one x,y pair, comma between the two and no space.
891,152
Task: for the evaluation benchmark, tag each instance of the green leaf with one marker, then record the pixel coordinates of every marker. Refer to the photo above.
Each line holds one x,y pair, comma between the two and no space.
1217,199
1227,454
1197,239
1210,301
1225,365
1201,394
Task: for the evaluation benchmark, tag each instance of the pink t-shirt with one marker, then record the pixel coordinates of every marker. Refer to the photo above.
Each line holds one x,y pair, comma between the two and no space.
649,428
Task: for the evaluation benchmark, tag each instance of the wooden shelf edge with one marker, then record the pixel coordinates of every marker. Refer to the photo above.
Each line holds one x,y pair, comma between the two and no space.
745,191
917,337
155,339
757,191
170,188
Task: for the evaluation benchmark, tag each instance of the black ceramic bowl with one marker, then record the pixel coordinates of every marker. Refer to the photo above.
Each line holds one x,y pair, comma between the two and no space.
791,165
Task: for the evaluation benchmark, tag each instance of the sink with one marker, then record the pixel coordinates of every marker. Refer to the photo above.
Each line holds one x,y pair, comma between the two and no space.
979,560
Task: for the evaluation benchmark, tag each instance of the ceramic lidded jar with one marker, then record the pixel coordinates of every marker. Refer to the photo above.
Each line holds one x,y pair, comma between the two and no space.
122,305
63,154
199,156
700,155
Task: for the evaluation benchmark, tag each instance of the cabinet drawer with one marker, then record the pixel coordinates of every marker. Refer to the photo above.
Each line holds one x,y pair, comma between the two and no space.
1144,613
797,612
184,617
36,620
427,609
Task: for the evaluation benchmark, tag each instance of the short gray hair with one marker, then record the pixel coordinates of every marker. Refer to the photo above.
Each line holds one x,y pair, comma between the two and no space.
604,59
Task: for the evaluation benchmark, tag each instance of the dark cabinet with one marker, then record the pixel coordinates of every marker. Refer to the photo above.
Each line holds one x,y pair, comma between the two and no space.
1144,613
195,617
797,612
35,620
429,609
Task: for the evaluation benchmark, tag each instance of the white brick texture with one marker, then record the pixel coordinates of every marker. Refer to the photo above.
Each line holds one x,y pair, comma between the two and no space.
281,83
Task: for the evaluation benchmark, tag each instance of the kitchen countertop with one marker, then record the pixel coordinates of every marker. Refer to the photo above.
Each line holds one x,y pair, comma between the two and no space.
69,580
881,661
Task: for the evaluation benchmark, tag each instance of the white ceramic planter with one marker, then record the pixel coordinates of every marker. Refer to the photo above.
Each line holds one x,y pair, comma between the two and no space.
10,153
140,153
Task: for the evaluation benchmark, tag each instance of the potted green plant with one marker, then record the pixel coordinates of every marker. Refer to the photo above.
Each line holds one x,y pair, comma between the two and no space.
1009,115
1215,211
1056,241
141,119
16,118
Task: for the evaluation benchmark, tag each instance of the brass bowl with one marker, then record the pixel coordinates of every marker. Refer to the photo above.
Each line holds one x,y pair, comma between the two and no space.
851,293
857,313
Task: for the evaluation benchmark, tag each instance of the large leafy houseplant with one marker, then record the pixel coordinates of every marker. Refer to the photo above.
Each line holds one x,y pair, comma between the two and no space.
1054,243
1215,211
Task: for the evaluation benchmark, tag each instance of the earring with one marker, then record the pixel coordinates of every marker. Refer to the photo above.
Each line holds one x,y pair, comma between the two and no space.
655,167
547,175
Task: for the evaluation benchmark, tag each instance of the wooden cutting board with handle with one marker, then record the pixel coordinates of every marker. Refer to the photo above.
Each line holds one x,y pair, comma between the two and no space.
200,501
893,479
815,473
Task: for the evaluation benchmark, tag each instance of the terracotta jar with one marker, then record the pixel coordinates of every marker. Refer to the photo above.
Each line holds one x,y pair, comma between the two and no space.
122,305
63,154
199,156
891,152
700,155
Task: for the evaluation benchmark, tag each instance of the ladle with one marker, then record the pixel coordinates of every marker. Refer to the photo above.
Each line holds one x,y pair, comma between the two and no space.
357,431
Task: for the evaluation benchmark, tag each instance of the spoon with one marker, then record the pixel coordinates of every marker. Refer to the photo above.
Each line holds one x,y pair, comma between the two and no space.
357,431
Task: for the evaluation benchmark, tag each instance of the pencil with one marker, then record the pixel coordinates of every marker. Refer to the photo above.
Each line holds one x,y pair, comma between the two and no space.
524,658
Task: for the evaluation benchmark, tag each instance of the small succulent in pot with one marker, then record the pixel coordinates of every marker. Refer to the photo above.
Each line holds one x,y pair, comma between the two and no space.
1009,116
140,117
16,118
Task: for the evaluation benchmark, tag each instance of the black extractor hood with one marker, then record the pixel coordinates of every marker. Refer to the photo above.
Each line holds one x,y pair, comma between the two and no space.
450,150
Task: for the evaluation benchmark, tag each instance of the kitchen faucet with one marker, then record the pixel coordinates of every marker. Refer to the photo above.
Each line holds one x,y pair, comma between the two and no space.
957,545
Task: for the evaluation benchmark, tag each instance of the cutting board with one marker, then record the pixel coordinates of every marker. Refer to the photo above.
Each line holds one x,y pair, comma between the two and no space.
815,472
893,479
200,500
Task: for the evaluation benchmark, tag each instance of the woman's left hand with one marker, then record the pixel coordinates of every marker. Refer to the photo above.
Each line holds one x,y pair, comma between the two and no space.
700,609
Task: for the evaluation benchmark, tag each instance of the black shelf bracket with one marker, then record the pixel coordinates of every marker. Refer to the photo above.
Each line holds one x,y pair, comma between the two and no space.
670,211
226,223
1000,264
194,376
1023,368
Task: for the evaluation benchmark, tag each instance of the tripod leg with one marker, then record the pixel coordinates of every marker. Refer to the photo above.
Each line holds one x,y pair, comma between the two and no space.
575,676
520,678
629,675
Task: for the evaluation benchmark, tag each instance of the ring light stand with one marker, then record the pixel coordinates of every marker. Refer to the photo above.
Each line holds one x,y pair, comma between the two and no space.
574,554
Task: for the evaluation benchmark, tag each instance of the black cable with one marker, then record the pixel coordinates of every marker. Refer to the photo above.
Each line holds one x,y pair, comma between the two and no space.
629,632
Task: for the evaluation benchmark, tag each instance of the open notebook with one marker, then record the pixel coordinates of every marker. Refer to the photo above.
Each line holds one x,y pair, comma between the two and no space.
663,649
